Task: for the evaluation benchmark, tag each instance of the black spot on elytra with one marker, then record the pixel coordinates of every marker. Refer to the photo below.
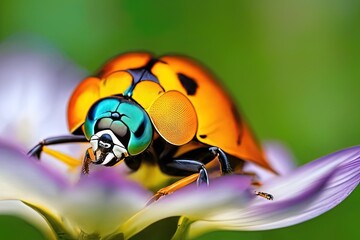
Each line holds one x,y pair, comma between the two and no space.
188,83
238,141
203,136
236,114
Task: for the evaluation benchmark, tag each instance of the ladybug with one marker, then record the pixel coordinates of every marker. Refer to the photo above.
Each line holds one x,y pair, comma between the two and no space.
166,110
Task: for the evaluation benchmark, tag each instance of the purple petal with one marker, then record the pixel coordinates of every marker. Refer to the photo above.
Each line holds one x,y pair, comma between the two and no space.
36,83
194,202
102,200
26,179
97,203
299,196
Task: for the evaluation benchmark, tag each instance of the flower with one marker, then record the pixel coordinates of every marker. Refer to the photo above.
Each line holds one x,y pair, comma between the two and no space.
36,82
300,195
108,205
31,74
96,204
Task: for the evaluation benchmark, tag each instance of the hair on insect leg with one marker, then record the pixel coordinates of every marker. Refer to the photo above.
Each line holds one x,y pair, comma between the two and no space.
89,155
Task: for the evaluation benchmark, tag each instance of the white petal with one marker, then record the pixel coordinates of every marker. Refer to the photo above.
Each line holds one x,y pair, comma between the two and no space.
36,84
98,203
102,201
193,202
304,194
26,179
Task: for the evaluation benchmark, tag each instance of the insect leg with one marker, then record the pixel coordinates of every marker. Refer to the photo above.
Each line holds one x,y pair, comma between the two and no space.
181,167
184,167
225,167
41,147
36,150
173,187
207,154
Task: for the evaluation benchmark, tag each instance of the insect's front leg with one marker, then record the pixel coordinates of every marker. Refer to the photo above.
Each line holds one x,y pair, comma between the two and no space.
68,160
37,149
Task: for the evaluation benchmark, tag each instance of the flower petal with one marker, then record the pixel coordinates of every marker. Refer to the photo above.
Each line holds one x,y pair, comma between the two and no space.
193,202
36,82
299,196
17,208
26,179
98,203
101,201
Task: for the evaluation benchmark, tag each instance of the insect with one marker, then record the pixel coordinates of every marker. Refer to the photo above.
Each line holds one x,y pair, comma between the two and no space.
167,110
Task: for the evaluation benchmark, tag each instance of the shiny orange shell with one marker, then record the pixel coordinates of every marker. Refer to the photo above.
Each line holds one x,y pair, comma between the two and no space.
218,122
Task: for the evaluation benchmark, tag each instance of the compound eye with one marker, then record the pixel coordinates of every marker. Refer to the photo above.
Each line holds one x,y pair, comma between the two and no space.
140,129
174,117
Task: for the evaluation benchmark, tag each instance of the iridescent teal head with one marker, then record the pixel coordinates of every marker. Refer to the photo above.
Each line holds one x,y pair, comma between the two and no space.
116,128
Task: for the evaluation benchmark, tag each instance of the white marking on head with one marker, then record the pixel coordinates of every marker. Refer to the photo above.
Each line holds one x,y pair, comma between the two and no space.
94,141
108,158
118,150
104,144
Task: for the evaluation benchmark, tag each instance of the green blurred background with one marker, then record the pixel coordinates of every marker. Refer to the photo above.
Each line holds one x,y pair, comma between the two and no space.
293,66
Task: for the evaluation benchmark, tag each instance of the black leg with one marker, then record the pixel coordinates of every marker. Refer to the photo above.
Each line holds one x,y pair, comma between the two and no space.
205,155
184,167
36,151
193,162
224,162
